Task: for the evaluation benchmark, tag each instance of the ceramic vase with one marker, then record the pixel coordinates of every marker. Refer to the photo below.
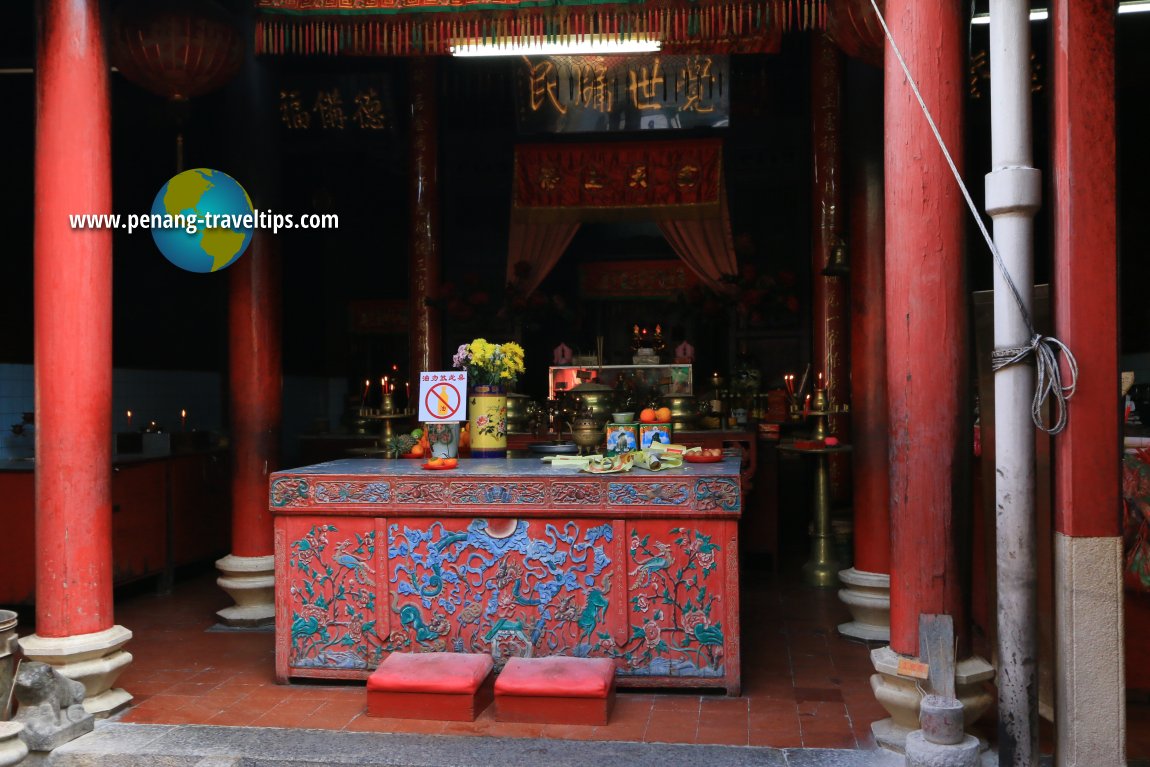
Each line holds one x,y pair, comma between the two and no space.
487,416
443,438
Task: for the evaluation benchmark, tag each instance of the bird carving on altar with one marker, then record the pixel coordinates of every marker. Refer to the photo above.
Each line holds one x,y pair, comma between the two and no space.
358,567
655,564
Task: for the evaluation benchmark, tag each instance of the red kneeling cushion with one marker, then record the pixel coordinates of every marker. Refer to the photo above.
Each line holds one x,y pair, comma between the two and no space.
432,672
557,676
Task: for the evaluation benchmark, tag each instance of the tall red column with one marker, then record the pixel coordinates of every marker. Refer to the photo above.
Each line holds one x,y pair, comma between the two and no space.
926,333
73,352
1090,715
868,366
927,348
830,338
423,259
256,407
867,584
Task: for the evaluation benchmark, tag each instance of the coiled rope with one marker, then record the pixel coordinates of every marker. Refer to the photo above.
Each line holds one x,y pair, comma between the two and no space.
1048,376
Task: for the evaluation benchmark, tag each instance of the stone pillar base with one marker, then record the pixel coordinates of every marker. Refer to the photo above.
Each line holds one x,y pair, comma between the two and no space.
867,596
920,752
93,660
12,748
901,696
251,583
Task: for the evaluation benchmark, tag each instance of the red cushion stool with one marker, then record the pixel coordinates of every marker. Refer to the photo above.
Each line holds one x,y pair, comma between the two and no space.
556,690
430,685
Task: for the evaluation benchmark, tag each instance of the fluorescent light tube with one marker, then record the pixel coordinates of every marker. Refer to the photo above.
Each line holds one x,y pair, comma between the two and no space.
590,44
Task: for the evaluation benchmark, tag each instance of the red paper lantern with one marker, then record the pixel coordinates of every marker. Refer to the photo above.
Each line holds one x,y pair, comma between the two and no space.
854,27
177,49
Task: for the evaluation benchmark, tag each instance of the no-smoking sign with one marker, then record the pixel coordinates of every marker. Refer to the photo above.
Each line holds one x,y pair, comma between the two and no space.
442,396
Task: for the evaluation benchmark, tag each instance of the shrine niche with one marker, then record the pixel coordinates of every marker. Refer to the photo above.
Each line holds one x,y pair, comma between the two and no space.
677,184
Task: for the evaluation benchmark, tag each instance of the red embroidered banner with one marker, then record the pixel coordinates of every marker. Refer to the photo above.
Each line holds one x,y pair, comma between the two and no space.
568,180
434,27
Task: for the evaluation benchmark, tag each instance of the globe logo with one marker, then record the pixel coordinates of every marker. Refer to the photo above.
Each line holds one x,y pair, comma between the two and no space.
207,220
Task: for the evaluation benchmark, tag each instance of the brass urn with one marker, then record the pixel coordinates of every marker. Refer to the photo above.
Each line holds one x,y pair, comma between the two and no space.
518,415
586,431
596,397
684,411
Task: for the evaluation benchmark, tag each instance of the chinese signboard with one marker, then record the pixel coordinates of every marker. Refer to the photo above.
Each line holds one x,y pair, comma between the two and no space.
347,106
589,94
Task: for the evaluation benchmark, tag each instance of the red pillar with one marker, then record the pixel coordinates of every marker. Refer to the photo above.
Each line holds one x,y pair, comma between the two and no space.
926,316
1088,560
831,336
73,325
868,360
423,260
75,625
1085,265
256,389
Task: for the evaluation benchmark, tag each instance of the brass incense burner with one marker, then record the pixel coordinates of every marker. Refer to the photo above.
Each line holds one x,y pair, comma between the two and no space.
587,431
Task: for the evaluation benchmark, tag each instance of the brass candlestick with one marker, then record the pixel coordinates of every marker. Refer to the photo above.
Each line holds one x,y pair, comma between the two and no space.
822,568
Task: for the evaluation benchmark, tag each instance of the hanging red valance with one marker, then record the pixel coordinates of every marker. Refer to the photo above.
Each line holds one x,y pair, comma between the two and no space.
581,182
432,27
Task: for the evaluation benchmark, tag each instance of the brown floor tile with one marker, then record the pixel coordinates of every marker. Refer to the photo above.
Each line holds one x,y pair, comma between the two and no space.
774,739
668,703
514,730
723,706
364,723
829,740
235,717
291,713
727,736
662,732
570,732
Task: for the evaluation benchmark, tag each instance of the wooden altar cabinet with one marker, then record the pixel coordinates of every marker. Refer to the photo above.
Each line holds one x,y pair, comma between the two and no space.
511,557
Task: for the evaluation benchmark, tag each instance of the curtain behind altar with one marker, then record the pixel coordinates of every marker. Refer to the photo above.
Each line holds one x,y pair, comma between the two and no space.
533,249
706,246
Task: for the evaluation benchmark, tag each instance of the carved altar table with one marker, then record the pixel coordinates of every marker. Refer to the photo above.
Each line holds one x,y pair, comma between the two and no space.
511,557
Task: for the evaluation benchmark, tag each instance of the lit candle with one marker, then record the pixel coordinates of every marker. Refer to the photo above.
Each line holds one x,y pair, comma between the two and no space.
366,386
129,419
820,380
183,419
383,382
407,389
807,405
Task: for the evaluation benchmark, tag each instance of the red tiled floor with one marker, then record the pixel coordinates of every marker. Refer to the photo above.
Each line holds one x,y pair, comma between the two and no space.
803,683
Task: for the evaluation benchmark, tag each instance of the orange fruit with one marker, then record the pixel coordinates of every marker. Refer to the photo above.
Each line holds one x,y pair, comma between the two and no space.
663,415
436,461
417,450
647,416
450,463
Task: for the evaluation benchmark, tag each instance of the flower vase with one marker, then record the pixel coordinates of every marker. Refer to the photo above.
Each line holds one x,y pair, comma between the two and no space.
487,416
443,438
